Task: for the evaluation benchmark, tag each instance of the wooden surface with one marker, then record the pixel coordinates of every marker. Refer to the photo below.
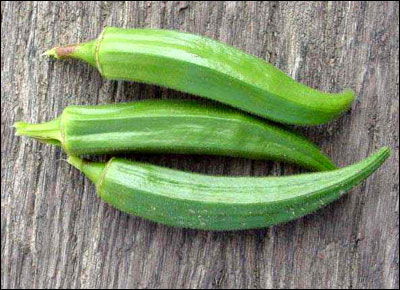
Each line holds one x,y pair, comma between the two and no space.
55,231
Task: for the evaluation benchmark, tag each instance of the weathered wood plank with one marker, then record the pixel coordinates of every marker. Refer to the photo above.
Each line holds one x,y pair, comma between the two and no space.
55,232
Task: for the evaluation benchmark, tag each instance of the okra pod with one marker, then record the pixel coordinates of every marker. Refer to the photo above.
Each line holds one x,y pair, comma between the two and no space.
207,68
205,202
160,126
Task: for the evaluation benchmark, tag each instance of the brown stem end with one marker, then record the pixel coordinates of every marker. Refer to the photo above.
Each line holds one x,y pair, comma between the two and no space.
61,52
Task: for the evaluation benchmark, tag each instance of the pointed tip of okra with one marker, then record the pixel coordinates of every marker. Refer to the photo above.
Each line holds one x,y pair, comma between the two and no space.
348,97
385,152
350,94
324,164
329,166
379,157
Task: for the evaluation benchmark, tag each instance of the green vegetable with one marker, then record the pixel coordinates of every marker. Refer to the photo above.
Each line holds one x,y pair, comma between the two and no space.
192,200
176,127
208,68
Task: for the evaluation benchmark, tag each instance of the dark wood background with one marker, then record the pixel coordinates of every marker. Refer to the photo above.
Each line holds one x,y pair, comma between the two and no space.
55,231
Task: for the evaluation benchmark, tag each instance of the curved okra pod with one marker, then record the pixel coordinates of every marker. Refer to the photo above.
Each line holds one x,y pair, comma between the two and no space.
197,201
174,127
208,68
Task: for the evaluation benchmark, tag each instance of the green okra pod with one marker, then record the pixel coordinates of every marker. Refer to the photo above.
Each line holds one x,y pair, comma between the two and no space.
198,201
160,126
208,68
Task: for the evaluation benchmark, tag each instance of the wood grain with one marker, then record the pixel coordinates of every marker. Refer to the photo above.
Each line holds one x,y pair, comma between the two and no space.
55,231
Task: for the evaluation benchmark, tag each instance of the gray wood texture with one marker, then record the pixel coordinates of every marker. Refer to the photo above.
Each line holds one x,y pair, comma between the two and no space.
55,231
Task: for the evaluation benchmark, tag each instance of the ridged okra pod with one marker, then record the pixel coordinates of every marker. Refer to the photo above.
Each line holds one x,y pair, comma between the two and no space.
208,68
160,126
205,202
